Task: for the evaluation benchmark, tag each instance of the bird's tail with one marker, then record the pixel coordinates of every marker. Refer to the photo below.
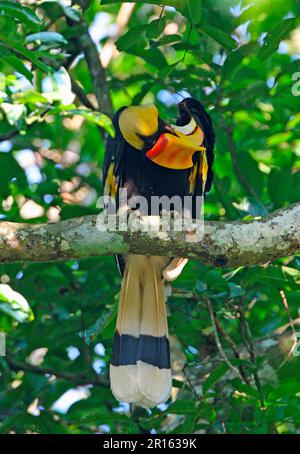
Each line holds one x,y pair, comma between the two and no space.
140,365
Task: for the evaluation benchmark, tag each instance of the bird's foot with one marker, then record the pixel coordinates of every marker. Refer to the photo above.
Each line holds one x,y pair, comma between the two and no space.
171,220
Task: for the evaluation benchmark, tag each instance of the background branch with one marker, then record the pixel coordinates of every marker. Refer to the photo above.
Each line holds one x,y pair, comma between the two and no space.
85,44
78,379
234,369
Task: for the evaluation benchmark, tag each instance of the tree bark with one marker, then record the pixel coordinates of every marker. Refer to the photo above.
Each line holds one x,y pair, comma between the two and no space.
224,244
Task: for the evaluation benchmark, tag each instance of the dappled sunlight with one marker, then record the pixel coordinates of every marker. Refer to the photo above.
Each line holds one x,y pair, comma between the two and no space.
31,210
69,398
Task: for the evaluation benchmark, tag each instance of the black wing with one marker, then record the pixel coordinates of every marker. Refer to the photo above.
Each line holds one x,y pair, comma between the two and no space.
203,119
113,169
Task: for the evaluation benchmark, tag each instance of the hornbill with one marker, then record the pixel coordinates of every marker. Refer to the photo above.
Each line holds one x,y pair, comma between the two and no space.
151,157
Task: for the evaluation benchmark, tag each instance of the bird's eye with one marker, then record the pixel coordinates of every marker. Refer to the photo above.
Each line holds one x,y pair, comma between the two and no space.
187,129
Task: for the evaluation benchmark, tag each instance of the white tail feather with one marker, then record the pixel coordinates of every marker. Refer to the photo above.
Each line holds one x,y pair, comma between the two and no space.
142,314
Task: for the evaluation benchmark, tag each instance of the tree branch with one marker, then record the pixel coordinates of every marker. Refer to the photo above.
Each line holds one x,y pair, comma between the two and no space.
78,379
224,244
85,44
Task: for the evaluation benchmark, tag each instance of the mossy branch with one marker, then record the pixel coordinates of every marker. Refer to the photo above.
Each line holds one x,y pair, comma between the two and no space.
224,244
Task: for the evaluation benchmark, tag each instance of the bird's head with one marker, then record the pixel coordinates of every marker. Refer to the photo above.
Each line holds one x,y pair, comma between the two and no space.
168,145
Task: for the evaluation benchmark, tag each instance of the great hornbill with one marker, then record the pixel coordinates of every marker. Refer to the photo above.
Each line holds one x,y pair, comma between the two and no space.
150,157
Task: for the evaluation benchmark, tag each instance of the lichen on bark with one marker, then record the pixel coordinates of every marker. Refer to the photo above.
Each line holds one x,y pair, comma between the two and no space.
227,244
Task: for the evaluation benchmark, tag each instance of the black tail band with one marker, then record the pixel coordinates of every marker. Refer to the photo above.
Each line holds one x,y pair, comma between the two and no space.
127,350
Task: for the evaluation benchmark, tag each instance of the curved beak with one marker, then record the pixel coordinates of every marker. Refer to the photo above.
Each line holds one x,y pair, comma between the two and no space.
175,150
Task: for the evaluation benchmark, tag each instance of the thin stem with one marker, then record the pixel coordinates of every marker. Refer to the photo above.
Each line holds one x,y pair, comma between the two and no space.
233,345
291,324
187,42
78,379
234,369
161,12
249,344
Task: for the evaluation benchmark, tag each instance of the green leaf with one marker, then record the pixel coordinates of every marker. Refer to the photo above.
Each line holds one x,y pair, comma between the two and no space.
14,304
32,97
215,280
28,54
214,376
71,13
9,166
235,290
130,38
17,64
167,70
22,13
192,10
182,407
248,390
142,93
153,56
249,169
101,325
218,35
155,28
95,117
280,184
46,37
173,3
234,59
178,384
8,28
2,22
273,38
168,39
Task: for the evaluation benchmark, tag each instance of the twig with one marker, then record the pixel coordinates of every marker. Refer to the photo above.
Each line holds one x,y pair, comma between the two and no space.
194,391
234,369
286,306
187,42
161,11
184,294
85,44
279,331
78,379
233,345
291,324
247,338
87,354
9,135
79,92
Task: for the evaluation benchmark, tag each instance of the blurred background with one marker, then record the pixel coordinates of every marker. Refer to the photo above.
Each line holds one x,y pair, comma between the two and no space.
65,67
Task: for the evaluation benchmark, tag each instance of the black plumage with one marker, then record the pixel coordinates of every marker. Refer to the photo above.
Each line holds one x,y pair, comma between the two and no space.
160,163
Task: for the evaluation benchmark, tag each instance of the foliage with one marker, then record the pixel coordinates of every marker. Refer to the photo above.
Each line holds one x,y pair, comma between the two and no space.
238,58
